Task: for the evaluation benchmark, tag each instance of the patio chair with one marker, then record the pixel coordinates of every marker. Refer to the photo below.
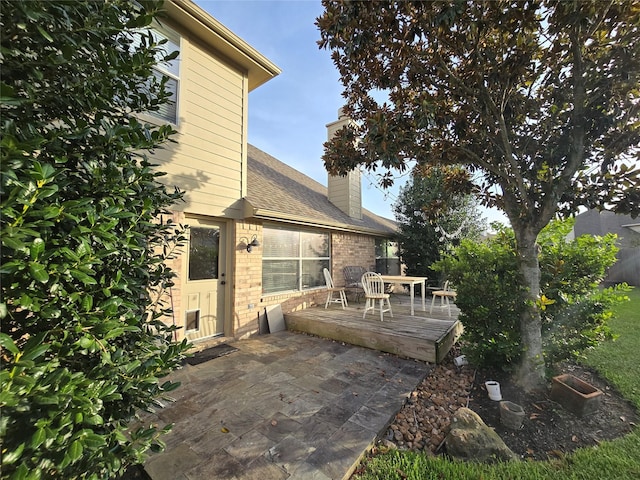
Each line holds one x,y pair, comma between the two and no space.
374,292
446,294
353,279
331,289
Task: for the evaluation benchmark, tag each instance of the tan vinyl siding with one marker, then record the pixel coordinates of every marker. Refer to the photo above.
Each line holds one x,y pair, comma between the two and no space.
211,86
345,193
212,132
194,159
206,161
196,176
200,107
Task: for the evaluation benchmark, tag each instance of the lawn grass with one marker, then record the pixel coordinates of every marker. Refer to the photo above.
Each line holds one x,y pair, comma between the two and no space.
617,360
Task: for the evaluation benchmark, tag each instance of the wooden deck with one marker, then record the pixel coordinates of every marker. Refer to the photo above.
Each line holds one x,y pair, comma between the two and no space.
427,337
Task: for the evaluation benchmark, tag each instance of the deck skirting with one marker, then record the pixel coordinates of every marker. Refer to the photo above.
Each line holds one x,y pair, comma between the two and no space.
419,337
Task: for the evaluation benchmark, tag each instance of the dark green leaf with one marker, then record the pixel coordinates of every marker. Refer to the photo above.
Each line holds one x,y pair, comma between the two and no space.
37,248
6,91
87,302
35,352
38,438
45,34
75,450
93,441
23,473
87,343
12,242
83,277
38,272
9,457
7,342
94,420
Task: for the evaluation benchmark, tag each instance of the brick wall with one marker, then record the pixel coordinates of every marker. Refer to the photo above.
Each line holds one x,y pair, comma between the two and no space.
248,302
350,249
247,279
245,276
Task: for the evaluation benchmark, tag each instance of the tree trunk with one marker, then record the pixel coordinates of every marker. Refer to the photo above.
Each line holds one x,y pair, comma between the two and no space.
531,372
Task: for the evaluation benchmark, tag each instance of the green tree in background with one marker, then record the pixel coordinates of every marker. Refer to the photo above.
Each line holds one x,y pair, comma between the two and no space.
432,219
84,240
538,100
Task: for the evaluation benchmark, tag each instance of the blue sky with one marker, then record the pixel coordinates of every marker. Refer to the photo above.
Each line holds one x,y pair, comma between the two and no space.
288,114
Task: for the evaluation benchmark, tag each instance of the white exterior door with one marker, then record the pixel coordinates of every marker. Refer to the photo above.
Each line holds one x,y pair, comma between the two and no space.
204,290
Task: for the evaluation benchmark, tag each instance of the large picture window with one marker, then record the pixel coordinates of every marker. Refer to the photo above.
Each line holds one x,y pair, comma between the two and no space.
293,260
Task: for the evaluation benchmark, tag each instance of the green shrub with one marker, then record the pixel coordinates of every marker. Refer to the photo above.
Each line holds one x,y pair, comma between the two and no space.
84,243
570,272
485,277
574,310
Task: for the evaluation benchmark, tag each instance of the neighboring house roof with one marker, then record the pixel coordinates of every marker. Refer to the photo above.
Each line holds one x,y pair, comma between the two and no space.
276,191
633,226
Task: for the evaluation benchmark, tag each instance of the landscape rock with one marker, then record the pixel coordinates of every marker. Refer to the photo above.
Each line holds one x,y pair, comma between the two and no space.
547,429
424,421
471,439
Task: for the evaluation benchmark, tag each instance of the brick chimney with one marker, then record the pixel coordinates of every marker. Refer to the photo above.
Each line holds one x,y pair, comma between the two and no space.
345,192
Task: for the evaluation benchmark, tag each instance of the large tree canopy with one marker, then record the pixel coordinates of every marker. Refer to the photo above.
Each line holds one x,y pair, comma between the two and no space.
539,99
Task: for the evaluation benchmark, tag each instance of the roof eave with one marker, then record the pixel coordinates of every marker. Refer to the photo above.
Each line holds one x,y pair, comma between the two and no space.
250,211
260,69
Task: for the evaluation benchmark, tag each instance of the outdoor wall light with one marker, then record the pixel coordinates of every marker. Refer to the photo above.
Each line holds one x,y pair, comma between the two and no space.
254,242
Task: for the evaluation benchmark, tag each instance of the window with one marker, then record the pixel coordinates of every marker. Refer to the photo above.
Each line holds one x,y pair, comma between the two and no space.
169,69
387,261
204,248
293,260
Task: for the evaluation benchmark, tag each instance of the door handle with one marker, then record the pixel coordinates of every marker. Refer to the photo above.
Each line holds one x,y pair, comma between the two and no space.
223,282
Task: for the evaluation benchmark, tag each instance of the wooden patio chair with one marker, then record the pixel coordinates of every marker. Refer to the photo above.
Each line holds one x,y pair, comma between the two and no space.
446,294
331,289
374,292
353,279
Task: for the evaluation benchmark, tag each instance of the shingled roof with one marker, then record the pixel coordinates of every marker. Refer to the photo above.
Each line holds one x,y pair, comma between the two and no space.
276,191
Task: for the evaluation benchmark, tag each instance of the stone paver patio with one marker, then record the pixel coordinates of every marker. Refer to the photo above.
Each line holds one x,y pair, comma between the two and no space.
284,406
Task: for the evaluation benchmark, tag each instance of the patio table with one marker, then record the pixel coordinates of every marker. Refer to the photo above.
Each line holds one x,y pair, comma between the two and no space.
411,281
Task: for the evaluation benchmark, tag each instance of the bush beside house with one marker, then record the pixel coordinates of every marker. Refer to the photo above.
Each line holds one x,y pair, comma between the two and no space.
84,243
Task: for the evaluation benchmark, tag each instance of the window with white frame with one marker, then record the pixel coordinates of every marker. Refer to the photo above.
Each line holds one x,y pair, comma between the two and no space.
293,259
169,69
